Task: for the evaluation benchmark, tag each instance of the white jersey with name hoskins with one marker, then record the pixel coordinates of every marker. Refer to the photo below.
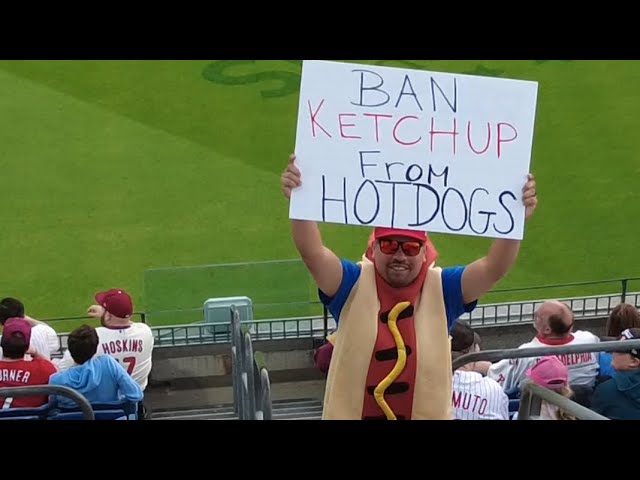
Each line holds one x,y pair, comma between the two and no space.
478,398
583,367
132,347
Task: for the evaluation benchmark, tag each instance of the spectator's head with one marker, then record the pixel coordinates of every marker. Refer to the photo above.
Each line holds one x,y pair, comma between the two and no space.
430,251
83,344
462,339
477,342
117,305
10,308
550,373
625,361
399,255
553,320
16,337
623,316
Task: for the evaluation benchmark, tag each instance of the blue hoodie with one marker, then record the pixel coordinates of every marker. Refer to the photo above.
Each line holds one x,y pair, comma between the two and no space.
101,380
619,398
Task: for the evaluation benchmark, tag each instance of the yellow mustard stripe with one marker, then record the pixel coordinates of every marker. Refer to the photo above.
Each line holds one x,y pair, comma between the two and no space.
378,393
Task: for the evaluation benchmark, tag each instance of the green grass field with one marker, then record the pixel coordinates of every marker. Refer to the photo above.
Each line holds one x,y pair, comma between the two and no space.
112,168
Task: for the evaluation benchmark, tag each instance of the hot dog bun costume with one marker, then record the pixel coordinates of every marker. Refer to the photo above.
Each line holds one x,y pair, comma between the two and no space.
392,351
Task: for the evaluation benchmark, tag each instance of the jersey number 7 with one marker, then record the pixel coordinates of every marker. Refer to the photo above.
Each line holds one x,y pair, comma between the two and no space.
130,364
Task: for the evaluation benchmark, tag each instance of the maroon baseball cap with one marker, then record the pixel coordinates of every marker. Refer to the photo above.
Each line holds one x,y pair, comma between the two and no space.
117,302
382,232
17,325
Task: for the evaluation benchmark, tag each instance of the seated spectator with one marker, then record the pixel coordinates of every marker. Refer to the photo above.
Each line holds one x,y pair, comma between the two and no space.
18,371
44,339
551,373
482,366
322,355
619,397
554,322
101,379
130,343
474,397
622,317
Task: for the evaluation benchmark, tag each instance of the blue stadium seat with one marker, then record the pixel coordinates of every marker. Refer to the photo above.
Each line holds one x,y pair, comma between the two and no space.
102,411
514,406
35,413
513,393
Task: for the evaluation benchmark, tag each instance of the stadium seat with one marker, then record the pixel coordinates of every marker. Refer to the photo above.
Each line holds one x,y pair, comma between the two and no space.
513,393
36,413
102,411
514,406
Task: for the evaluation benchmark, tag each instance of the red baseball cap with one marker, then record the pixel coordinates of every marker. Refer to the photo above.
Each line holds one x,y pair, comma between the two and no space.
117,302
17,325
382,232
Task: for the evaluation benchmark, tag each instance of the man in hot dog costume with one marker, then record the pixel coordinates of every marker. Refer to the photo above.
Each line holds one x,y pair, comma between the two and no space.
394,309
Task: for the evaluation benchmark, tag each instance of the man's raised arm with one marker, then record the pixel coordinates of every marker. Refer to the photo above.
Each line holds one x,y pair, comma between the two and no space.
483,274
325,267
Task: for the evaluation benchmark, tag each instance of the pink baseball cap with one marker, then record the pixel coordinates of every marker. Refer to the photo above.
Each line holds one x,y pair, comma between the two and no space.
550,373
17,325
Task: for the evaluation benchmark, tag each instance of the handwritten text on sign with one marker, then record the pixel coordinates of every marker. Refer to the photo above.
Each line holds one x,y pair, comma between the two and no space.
403,148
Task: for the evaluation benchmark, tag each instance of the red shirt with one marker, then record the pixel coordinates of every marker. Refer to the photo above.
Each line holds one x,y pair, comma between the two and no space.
21,373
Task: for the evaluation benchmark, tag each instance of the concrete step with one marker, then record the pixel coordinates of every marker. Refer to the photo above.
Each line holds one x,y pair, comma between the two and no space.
291,409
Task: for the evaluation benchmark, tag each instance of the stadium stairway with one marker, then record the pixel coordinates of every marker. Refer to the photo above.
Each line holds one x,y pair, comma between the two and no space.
298,409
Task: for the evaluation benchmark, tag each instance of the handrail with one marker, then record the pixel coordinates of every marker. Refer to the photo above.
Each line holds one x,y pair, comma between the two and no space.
623,281
265,398
248,376
531,401
263,387
496,355
37,390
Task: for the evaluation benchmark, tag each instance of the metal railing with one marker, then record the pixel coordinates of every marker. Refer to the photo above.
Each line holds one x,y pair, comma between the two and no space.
496,355
532,395
250,377
531,404
484,315
46,390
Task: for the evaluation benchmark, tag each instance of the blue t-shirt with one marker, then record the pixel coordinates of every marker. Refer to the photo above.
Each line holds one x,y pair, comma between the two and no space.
451,289
605,359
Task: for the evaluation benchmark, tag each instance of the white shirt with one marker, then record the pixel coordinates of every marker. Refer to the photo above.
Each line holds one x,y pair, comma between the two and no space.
478,398
132,347
583,367
44,340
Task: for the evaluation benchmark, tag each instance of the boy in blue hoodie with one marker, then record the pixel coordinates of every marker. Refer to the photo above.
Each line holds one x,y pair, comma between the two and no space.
101,379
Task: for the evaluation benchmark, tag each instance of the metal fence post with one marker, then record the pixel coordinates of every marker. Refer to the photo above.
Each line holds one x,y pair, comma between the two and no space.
248,373
236,363
325,314
265,399
624,290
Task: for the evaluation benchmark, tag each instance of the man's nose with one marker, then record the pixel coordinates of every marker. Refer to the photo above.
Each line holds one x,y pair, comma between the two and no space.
399,255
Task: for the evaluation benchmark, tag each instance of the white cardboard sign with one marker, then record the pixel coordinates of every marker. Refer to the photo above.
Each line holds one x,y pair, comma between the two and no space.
414,149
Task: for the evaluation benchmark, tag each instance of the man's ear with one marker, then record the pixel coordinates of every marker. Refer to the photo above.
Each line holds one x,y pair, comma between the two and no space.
635,362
